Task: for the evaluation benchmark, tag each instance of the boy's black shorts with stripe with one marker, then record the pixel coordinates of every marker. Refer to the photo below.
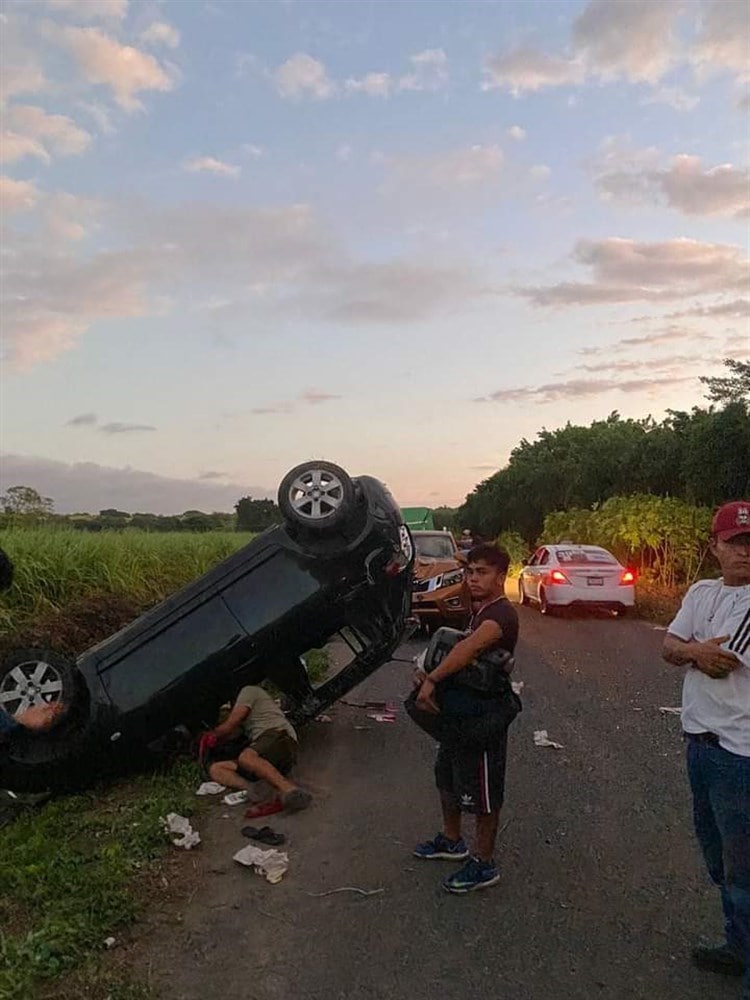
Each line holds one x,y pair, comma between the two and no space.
473,776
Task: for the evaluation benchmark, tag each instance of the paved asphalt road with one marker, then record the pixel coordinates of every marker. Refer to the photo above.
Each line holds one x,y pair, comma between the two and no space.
602,893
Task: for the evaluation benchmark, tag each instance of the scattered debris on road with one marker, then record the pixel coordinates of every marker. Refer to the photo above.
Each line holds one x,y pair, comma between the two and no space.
109,942
388,707
324,718
186,836
272,864
235,798
517,686
382,717
347,888
210,788
665,710
541,739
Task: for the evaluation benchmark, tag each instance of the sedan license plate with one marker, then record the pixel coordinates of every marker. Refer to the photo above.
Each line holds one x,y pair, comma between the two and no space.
596,581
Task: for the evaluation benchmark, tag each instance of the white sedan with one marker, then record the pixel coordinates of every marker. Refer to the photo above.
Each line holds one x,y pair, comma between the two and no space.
567,575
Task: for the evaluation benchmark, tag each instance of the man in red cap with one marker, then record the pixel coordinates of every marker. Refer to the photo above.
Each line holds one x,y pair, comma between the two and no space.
711,637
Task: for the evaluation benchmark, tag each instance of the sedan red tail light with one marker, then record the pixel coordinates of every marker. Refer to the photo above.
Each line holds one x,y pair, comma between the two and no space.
557,576
627,577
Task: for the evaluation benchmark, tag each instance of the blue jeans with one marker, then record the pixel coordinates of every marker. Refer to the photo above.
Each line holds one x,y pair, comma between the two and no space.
720,781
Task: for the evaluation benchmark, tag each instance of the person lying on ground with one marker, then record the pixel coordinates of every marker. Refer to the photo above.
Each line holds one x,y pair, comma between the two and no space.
36,719
255,742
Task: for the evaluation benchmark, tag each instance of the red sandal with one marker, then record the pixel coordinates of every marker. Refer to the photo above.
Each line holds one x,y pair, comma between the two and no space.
264,809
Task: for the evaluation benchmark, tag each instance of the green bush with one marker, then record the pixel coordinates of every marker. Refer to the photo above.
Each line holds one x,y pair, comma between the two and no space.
516,548
665,538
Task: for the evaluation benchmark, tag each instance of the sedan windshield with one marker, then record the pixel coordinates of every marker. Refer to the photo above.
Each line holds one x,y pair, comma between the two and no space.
582,557
434,547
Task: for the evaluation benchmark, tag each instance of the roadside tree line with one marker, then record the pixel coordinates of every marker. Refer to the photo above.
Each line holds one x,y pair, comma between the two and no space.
644,489
25,507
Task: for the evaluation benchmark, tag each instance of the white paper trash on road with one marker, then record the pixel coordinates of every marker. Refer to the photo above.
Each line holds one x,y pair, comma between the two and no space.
273,864
235,798
183,833
666,710
210,788
517,686
541,739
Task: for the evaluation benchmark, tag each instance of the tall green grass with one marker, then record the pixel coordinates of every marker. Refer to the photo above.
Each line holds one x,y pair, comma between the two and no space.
54,566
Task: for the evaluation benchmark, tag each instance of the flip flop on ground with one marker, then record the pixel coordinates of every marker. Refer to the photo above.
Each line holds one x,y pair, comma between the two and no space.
264,835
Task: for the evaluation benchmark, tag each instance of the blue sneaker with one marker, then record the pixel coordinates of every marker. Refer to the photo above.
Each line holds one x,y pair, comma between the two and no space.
475,874
442,849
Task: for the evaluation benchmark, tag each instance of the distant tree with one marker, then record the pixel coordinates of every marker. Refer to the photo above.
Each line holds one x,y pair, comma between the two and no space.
222,521
24,501
730,388
196,520
716,458
256,515
168,523
444,517
146,522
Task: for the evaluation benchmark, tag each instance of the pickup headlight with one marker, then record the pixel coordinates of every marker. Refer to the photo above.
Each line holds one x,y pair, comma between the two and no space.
450,579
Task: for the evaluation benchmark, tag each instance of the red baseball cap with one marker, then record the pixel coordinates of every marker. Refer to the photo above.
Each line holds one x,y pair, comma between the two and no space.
731,519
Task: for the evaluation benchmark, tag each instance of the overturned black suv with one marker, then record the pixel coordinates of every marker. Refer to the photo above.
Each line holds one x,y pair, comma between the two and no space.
340,566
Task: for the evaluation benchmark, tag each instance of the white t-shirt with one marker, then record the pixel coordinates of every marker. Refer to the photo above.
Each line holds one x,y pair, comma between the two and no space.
717,705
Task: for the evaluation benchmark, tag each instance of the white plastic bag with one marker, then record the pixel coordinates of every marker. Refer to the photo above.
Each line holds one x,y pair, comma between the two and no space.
272,863
185,835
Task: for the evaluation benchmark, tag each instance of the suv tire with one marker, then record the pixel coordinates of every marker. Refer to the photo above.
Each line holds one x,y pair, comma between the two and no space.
36,676
318,497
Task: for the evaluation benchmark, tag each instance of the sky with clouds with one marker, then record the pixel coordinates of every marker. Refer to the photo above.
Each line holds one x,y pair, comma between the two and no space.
400,236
